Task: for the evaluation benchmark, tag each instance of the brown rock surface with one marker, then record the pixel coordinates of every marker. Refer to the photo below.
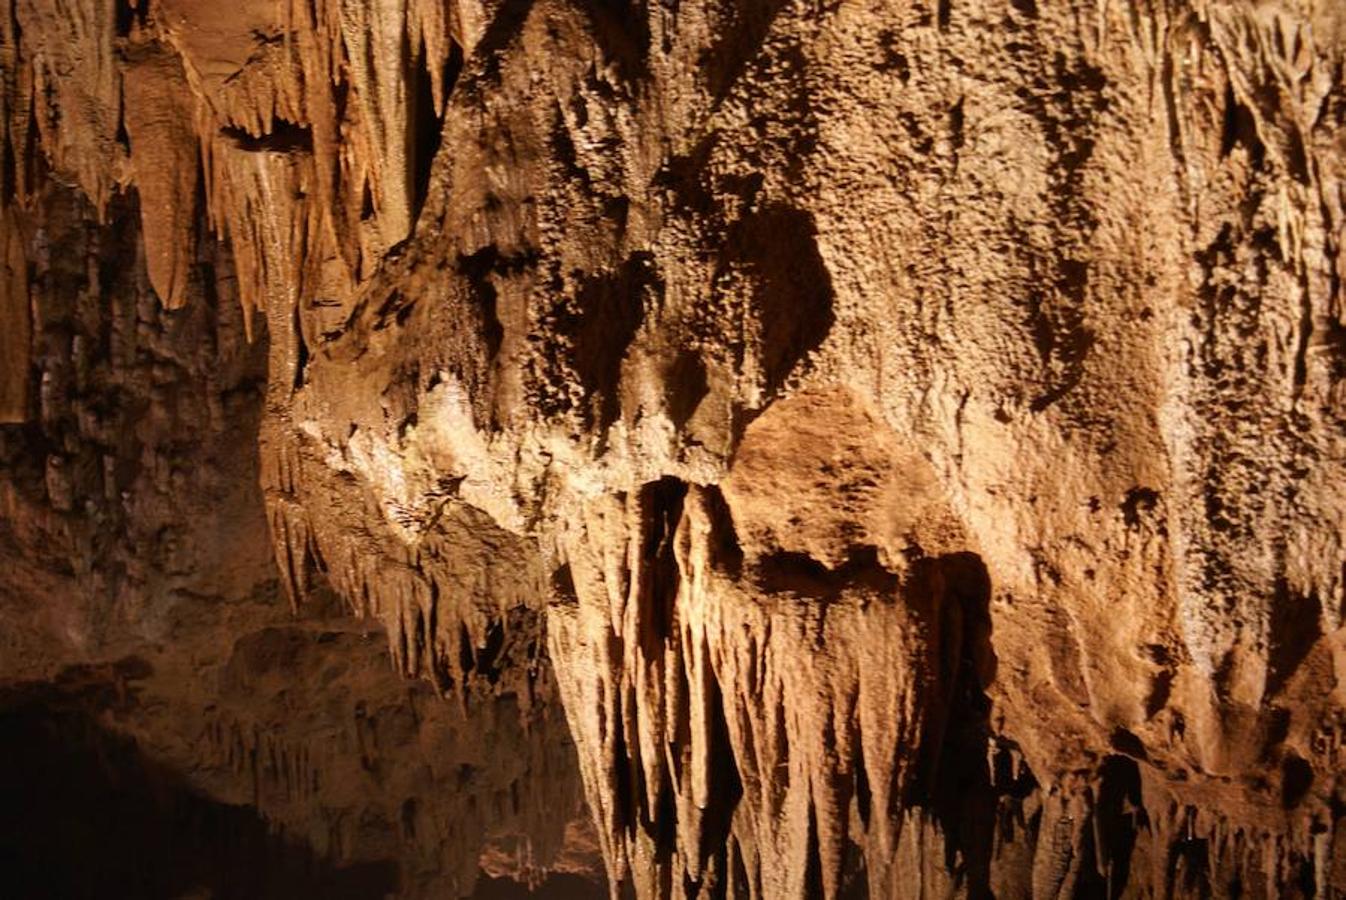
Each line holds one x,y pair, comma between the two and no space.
903,441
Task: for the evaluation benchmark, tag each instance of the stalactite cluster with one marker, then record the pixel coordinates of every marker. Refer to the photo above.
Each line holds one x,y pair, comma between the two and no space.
903,441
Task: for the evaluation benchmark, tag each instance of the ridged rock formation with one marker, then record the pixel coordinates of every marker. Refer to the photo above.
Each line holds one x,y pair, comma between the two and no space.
902,440
166,719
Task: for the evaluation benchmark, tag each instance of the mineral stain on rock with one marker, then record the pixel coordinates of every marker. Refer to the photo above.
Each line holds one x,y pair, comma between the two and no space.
562,448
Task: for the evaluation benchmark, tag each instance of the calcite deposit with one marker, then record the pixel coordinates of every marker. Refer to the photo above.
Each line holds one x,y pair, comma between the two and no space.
695,448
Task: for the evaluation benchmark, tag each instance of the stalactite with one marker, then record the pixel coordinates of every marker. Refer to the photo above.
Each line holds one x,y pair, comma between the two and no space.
739,718
76,89
15,319
770,335
158,115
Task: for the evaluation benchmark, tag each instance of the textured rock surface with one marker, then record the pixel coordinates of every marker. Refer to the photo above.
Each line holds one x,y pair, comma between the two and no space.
168,719
903,440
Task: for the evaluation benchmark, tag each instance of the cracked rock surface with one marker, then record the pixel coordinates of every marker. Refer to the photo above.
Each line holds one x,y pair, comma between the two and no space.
717,448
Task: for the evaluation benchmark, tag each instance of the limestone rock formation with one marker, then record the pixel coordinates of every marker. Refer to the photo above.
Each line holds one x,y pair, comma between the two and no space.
902,441
166,718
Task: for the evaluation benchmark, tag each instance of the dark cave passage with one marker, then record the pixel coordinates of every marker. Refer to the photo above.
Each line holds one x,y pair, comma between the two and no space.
85,813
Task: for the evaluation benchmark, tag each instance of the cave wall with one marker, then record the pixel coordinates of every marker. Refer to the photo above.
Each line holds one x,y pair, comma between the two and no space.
172,727
911,433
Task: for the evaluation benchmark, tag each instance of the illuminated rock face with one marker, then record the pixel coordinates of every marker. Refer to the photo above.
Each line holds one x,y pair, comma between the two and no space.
902,441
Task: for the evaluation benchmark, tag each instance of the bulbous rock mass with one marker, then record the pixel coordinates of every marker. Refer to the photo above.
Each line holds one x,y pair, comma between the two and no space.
717,448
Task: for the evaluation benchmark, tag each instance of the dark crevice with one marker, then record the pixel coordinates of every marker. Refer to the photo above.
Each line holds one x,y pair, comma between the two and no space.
466,663
490,655
487,662
563,587
284,137
780,738
426,122
1240,128
9,175
624,777
660,510
622,30
956,126
685,177
1137,505
1161,689
1188,869
366,202
1296,779
1120,817
854,874
776,249
608,310
726,785
420,644
1125,741
665,828
301,351
685,387
801,574
479,269
957,787
813,872
1295,626
402,648
434,665
862,790
128,15
739,872
123,136
725,553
